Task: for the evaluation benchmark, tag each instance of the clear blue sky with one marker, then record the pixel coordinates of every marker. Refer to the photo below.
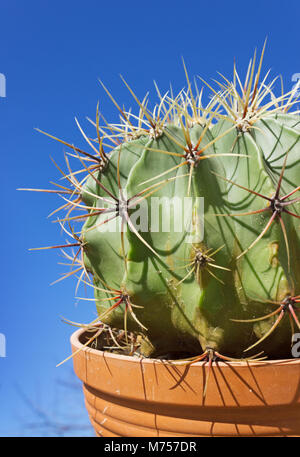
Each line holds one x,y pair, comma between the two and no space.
52,54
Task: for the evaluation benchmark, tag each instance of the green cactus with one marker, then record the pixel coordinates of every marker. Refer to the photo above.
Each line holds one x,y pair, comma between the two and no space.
235,291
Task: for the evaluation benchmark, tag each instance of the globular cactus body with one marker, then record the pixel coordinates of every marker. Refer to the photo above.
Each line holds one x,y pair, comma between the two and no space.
236,290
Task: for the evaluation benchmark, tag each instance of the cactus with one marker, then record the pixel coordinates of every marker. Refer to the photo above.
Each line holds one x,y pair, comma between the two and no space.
235,291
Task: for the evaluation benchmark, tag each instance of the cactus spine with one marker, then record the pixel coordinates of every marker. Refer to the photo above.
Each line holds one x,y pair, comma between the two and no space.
233,292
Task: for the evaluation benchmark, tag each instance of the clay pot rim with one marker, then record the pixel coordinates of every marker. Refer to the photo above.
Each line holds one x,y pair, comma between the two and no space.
75,342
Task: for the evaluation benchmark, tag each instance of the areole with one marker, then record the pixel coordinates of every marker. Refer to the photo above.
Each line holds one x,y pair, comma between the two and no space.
228,295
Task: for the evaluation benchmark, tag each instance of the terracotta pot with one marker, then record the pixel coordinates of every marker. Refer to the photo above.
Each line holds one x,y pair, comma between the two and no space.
127,396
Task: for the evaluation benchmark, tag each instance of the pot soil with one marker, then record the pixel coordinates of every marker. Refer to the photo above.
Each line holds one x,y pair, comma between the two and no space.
136,397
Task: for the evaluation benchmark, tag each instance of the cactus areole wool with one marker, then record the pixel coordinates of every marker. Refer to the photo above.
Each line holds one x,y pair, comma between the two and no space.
232,292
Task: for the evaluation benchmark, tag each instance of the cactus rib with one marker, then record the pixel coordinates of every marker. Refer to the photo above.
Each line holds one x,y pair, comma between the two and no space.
152,160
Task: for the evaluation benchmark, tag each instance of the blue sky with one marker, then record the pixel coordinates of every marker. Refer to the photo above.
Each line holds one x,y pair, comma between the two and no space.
52,54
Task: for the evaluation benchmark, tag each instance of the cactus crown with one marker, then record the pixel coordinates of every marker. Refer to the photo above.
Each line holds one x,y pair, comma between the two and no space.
226,284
